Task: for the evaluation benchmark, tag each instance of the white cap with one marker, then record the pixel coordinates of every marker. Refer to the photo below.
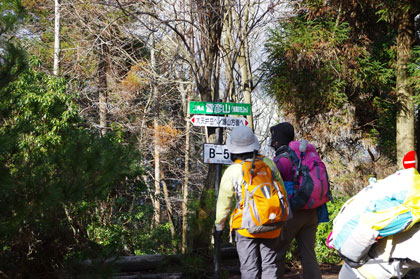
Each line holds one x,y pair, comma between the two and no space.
242,140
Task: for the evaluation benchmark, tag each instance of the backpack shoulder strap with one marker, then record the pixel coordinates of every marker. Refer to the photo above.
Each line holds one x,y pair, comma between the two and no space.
282,151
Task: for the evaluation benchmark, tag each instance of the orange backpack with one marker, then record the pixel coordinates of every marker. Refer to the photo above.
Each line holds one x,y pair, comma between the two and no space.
263,204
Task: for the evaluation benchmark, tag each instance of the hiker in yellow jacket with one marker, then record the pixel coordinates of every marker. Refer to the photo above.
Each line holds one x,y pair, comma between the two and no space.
257,251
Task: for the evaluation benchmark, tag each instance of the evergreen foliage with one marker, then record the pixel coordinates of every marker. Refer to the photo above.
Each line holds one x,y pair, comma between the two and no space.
303,66
332,67
320,65
414,68
54,173
12,58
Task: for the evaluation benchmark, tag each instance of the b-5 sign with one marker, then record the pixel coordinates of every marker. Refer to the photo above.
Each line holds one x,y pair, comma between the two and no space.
216,154
218,121
219,108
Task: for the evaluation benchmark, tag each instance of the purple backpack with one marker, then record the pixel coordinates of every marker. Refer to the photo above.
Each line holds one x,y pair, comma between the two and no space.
311,186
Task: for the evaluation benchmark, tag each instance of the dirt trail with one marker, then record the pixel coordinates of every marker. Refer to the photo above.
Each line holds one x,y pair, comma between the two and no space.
328,271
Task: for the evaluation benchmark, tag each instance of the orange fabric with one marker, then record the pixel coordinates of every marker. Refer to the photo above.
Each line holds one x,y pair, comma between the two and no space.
272,234
264,205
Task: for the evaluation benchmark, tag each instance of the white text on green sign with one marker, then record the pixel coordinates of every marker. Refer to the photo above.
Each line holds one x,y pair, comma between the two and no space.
220,108
218,121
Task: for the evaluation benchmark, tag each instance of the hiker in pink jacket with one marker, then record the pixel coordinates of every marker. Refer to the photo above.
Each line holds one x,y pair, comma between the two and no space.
303,225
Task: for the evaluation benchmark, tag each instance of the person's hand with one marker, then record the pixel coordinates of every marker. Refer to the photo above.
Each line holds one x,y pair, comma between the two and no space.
217,235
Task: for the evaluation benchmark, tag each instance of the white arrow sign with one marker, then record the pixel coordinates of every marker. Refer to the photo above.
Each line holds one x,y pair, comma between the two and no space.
218,121
216,154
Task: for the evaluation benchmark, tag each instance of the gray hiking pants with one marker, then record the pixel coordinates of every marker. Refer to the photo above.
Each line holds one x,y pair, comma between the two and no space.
303,227
255,253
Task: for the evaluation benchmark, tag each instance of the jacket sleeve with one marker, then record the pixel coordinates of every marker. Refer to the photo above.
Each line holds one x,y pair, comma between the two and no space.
226,191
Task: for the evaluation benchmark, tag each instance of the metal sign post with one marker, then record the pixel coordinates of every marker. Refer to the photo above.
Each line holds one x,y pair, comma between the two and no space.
217,153
219,139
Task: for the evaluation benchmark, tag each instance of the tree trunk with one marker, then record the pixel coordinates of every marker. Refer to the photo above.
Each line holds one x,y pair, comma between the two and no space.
243,59
103,87
56,69
210,20
157,174
150,193
184,244
417,131
151,262
155,91
405,116
228,49
169,207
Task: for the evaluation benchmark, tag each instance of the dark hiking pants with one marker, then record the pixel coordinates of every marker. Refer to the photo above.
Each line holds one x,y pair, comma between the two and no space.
257,256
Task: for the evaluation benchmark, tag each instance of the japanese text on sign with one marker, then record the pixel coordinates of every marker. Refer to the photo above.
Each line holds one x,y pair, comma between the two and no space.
218,121
220,108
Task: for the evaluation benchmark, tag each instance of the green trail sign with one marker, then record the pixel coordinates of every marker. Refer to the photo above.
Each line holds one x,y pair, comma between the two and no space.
220,108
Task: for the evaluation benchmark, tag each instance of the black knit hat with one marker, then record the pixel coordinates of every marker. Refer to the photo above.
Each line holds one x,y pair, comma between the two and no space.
282,134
